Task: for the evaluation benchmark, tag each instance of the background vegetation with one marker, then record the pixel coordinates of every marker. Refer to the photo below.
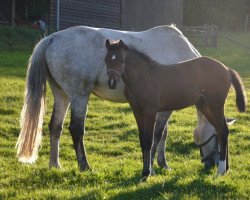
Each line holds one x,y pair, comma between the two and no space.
113,146
18,38
226,14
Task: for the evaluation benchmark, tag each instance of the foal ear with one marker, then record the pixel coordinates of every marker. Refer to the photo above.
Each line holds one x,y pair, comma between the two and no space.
121,44
108,43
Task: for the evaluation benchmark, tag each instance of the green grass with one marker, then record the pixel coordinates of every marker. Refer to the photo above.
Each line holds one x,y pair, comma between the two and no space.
113,150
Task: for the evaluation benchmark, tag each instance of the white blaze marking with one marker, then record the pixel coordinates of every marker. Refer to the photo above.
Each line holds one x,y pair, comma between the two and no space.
113,57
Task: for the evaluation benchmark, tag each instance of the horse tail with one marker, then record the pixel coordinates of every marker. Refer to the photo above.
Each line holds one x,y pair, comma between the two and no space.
33,109
239,89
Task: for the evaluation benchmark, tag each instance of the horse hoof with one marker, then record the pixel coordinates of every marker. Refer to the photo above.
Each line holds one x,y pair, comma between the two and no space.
221,168
54,165
164,165
152,172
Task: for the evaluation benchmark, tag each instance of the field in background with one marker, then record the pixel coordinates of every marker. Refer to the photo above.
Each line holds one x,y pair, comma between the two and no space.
113,146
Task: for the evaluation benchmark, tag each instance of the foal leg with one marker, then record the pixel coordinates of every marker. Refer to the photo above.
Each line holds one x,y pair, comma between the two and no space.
160,135
77,129
56,123
223,142
146,140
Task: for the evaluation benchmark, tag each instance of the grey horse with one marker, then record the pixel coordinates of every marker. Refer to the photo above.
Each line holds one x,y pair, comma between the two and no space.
72,61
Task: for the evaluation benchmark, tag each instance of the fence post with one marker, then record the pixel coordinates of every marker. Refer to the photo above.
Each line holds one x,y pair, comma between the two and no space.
13,12
205,34
246,23
214,35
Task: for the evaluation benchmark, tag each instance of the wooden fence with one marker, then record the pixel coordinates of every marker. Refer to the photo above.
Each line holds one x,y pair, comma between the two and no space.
202,35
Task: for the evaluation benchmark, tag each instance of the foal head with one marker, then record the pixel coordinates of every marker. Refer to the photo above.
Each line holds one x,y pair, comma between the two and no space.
115,61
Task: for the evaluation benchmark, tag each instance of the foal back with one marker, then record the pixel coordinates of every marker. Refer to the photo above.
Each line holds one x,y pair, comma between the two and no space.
189,82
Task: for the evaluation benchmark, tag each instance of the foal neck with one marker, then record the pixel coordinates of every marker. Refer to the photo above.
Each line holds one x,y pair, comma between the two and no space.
137,65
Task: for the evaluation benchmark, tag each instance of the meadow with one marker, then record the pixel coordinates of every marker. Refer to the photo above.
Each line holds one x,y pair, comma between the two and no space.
112,145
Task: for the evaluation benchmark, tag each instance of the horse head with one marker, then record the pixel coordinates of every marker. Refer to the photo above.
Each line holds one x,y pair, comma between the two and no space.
208,143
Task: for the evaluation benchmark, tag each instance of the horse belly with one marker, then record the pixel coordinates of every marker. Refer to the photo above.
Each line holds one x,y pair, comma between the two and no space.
102,90
181,99
108,94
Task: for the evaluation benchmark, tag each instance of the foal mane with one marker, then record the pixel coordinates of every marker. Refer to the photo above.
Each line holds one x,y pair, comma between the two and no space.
133,54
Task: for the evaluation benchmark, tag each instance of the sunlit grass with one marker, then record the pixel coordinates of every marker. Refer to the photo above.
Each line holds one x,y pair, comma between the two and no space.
113,149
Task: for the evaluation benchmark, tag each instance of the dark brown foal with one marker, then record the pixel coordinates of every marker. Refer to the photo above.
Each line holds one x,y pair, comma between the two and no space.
151,87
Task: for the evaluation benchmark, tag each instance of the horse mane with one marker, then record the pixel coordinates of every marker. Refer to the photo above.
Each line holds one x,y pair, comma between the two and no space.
133,53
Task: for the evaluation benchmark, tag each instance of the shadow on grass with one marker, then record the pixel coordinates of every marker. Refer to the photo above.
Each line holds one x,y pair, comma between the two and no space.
175,190
9,132
132,133
170,189
129,187
124,109
10,72
181,148
7,112
10,98
115,125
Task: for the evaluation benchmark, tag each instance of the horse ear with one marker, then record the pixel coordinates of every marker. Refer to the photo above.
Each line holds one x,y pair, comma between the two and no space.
121,44
107,43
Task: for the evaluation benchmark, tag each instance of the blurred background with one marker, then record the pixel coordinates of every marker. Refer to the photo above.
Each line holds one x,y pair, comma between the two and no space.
202,21
126,14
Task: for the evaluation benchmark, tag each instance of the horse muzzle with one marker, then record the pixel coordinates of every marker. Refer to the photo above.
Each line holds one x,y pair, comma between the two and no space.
212,160
112,83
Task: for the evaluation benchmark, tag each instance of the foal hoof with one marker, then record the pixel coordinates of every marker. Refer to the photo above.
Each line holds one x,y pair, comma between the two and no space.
143,179
145,175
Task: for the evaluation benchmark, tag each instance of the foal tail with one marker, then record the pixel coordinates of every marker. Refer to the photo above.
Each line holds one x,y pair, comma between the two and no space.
239,89
33,109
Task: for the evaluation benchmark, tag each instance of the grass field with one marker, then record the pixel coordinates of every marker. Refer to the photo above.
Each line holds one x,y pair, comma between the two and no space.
113,146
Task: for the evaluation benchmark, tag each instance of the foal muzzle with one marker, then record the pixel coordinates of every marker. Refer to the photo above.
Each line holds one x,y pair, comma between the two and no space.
112,83
114,76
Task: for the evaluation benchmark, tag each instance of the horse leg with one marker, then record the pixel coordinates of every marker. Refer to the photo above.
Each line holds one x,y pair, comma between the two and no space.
160,135
56,123
215,115
77,129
